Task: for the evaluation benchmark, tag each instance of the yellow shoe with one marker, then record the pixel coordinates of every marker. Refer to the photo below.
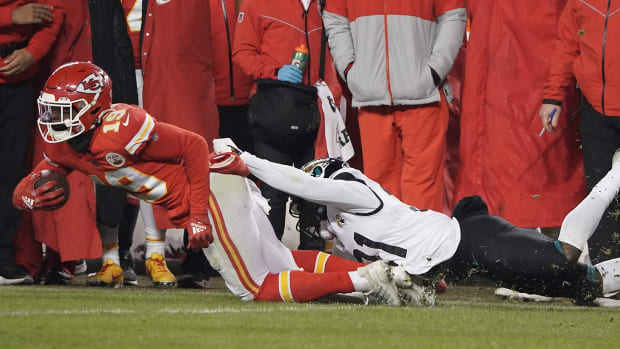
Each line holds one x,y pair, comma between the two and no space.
110,275
157,268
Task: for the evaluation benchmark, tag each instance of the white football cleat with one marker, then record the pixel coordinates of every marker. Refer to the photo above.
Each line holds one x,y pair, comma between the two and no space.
505,293
607,302
382,288
413,291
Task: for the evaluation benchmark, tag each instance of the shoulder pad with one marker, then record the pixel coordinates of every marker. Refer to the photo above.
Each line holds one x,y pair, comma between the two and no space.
127,127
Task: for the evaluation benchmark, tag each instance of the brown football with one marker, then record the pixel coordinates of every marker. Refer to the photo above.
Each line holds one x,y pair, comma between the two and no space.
61,182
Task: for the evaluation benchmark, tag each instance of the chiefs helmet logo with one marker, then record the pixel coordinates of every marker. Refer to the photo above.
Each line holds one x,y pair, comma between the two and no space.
91,84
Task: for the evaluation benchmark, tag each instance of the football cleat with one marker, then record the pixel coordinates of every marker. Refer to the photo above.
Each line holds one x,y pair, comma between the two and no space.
129,274
412,290
382,288
110,275
157,268
59,276
505,293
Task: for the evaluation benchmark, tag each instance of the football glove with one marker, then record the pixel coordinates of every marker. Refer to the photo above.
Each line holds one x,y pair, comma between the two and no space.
26,197
199,232
228,163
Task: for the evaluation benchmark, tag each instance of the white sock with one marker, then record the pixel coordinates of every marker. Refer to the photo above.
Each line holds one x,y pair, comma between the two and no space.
610,271
155,238
580,223
359,283
109,243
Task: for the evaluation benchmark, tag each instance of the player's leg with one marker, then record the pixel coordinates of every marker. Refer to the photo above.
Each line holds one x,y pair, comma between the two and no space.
521,259
579,225
320,262
125,239
110,203
155,263
111,273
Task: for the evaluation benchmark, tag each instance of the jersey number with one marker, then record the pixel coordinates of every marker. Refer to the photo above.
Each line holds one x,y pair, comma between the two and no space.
112,121
364,241
142,186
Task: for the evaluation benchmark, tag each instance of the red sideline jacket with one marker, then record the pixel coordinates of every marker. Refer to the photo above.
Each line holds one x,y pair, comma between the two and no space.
587,47
41,36
232,87
266,37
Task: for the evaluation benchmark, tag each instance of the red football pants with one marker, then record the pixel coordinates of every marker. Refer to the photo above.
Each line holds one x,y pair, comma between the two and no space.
403,148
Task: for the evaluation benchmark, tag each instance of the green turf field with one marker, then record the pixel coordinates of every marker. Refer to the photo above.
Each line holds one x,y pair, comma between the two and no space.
467,317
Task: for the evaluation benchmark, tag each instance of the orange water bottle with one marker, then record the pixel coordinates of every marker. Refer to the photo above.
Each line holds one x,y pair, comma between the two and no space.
300,57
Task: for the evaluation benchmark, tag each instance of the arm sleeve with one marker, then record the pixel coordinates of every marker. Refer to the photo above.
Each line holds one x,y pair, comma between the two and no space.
247,45
345,195
566,51
451,20
48,164
176,145
41,42
338,29
6,15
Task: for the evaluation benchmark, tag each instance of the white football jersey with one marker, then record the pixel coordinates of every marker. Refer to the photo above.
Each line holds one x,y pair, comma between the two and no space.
369,222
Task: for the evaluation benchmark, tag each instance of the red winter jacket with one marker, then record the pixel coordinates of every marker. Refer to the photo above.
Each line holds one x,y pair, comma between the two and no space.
41,37
232,86
266,37
587,47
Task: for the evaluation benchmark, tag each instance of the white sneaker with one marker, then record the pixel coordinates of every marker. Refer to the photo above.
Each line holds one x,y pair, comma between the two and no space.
382,288
413,292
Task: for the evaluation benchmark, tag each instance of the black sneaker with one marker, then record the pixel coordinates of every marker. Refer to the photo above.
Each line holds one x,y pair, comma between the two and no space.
193,280
11,274
129,273
58,277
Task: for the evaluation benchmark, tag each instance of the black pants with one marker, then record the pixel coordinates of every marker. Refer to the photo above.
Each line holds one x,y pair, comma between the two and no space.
114,210
17,113
519,259
297,151
601,137
234,124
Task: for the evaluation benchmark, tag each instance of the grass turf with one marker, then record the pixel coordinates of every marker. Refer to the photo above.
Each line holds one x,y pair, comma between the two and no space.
466,317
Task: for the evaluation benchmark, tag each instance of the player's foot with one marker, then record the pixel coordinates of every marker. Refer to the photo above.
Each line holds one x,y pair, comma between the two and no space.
413,291
193,280
59,276
129,274
110,275
382,288
11,274
157,268
505,293
607,302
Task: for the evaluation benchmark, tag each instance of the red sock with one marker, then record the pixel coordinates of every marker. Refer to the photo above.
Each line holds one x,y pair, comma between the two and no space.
300,286
321,262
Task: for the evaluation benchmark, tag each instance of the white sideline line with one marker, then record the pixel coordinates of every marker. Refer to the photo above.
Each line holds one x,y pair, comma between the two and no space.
180,311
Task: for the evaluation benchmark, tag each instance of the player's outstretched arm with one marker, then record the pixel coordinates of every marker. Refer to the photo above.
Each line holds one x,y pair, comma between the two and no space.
346,195
176,145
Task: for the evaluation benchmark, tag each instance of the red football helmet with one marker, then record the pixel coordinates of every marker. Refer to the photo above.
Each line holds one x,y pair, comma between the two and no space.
72,101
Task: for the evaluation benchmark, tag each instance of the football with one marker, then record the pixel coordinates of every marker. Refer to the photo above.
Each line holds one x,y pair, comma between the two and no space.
61,182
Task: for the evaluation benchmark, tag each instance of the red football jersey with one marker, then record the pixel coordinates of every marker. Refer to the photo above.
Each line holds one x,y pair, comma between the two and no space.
154,161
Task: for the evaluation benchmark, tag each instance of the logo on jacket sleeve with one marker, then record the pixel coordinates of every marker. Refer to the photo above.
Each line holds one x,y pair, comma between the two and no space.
115,159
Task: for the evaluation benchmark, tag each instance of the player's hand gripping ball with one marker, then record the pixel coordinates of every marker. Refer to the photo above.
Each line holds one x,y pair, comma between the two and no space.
46,190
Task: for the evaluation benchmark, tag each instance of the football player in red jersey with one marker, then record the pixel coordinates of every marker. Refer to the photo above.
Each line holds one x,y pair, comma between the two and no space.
123,146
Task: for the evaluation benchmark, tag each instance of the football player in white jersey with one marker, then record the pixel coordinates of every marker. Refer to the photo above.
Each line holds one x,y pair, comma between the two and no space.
372,224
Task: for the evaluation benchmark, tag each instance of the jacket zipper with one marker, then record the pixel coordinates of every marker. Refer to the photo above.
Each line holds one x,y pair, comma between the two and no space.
387,52
603,56
230,62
